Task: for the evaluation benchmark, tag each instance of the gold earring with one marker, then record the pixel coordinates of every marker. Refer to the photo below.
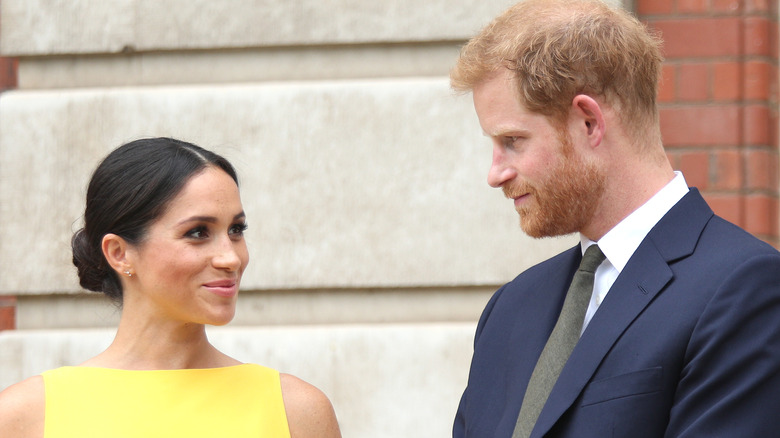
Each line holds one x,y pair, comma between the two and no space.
128,273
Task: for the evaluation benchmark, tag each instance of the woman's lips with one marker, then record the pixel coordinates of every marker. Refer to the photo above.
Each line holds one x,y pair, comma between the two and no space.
223,288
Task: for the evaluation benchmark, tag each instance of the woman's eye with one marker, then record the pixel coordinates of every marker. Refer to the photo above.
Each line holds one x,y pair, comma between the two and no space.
198,233
237,229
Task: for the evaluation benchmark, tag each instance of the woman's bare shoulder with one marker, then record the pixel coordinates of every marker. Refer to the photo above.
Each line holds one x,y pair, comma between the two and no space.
309,412
22,408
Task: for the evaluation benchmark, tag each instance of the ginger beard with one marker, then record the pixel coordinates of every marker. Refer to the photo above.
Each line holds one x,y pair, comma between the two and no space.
565,201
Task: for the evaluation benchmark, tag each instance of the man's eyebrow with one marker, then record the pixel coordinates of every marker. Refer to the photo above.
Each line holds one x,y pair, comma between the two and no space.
503,131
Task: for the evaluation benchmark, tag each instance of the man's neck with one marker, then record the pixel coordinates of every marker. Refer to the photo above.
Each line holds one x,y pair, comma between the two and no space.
628,188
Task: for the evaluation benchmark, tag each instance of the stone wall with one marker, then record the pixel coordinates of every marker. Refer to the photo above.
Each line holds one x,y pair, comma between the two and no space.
374,239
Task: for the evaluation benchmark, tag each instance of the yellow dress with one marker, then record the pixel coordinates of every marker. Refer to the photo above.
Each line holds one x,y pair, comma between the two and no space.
237,401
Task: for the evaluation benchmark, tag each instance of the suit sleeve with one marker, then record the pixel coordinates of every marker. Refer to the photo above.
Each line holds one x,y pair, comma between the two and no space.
730,383
459,427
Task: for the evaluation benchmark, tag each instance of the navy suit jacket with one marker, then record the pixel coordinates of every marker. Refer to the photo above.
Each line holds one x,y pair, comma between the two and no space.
685,344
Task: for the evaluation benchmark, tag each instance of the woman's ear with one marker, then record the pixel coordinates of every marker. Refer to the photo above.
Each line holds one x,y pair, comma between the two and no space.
115,250
586,112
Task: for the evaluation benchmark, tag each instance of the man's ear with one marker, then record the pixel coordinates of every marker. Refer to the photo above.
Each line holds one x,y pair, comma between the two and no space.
587,115
115,250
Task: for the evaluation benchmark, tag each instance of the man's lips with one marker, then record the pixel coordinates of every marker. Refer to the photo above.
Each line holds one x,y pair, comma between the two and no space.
520,199
223,288
519,193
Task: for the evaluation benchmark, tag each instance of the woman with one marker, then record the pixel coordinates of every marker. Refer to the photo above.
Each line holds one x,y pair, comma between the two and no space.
163,236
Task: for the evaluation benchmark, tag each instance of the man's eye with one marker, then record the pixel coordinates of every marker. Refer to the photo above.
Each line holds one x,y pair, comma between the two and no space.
510,142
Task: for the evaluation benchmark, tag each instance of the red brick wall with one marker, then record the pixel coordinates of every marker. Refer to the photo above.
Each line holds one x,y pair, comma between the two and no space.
719,107
7,313
8,67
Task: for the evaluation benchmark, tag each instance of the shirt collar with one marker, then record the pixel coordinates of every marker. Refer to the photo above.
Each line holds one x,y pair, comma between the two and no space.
624,238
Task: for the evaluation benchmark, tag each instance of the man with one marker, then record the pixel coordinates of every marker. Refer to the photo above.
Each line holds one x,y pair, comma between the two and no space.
681,334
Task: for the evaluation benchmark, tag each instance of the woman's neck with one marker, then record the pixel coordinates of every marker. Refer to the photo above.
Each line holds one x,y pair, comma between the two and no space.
146,343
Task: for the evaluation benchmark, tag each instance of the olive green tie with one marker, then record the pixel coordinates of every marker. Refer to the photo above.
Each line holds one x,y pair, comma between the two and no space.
560,344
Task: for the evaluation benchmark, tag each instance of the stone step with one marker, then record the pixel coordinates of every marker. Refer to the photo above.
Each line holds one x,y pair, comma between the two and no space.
384,380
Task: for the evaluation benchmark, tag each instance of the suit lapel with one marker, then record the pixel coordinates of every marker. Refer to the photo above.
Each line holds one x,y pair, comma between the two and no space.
645,275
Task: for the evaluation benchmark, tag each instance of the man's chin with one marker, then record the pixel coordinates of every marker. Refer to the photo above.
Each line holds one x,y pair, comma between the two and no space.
543,229
530,227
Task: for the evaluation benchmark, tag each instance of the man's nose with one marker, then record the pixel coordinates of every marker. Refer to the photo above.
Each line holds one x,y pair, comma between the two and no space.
500,169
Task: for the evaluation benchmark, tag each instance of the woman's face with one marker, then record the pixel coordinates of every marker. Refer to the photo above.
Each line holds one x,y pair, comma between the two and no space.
188,267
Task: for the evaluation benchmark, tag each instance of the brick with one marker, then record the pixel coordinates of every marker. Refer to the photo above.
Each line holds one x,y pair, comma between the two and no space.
692,6
668,84
756,125
728,207
726,6
7,312
726,81
757,6
692,125
727,170
701,37
693,82
761,214
696,168
654,7
757,77
7,318
8,73
757,36
762,170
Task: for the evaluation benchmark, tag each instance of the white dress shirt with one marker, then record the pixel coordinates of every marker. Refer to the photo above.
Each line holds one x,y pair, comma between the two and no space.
622,240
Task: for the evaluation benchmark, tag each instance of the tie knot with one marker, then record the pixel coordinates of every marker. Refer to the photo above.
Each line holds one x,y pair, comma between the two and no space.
592,259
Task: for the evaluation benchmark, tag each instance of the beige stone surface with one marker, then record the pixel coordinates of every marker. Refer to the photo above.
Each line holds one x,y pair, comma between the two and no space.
235,66
277,307
347,184
385,381
125,26
115,26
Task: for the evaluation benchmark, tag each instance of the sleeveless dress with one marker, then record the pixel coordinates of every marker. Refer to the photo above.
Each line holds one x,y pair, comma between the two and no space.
236,401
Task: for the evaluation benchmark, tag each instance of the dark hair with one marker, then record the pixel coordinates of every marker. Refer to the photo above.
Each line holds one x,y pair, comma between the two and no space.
129,190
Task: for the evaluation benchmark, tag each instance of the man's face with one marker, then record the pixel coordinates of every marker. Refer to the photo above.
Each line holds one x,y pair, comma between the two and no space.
555,189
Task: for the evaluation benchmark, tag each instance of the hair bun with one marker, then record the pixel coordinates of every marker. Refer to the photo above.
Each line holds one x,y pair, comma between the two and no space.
91,266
